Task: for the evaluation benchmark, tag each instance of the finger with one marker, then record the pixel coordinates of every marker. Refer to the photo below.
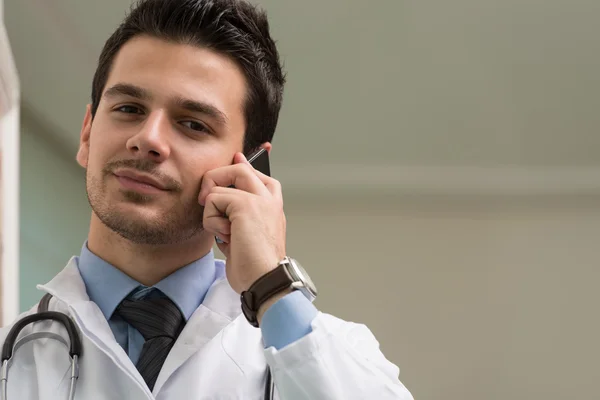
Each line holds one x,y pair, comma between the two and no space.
217,225
239,175
214,220
218,205
228,193
272,185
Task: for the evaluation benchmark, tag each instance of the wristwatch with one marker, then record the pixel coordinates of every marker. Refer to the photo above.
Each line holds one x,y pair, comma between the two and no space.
288,274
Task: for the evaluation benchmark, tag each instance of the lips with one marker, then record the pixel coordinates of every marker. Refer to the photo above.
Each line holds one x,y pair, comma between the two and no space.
140,178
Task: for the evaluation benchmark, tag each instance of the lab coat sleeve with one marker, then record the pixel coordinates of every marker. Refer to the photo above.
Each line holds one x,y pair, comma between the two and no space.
337,360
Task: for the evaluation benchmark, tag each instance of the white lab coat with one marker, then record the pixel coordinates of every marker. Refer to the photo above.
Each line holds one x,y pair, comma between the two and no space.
217,356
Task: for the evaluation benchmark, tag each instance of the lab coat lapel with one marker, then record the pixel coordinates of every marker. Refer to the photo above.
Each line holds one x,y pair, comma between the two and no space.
220,307
68,287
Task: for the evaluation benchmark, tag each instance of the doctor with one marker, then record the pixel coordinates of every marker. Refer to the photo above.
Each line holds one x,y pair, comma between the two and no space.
183,89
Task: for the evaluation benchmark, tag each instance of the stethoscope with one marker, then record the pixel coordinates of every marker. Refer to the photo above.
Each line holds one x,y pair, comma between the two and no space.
11,345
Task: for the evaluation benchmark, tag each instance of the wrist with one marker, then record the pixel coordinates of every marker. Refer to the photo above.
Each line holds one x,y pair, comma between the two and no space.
273,286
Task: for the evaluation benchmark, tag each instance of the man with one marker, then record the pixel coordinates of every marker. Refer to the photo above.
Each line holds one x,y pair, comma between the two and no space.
183,91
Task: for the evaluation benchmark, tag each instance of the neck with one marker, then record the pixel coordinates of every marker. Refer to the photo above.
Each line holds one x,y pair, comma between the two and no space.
147,264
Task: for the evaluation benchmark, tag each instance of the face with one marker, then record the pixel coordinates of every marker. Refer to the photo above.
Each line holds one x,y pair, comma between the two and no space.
168,113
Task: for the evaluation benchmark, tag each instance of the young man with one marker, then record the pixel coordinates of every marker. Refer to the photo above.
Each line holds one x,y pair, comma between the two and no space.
183,89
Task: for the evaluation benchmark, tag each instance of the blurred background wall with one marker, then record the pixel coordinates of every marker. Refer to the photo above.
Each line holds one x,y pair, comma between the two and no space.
441,169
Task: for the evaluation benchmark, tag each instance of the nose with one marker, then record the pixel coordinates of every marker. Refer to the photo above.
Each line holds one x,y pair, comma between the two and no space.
151,142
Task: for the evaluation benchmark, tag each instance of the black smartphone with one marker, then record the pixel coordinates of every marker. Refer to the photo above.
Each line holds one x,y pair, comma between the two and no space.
260,161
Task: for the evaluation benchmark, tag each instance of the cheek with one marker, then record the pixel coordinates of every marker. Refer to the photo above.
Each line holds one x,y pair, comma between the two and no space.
95,163
193,173
209,158
193,178
104,147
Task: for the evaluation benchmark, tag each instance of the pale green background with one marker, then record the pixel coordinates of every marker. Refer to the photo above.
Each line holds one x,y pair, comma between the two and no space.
54,212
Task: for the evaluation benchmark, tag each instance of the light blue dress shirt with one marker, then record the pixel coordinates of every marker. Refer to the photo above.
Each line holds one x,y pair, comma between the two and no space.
288,320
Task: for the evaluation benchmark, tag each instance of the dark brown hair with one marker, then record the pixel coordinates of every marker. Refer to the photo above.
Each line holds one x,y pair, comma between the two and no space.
234,28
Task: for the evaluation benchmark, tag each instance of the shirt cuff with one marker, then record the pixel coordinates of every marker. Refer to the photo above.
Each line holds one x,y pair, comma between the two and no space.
288,320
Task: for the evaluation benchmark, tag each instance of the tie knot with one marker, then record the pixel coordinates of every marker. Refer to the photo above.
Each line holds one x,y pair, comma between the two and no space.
152,317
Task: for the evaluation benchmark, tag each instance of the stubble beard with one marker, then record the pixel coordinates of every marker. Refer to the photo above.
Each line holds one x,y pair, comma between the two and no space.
176,225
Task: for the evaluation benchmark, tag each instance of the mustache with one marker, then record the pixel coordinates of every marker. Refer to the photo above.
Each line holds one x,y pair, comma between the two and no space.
146,166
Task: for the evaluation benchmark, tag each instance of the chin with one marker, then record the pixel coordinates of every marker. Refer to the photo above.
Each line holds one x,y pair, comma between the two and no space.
140,226
147,219
150,214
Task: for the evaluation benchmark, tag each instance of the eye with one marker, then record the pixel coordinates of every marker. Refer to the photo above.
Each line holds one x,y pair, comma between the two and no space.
195,126
128,109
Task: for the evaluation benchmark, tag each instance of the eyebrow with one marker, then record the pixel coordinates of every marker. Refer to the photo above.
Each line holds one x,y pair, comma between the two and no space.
125,89
201,108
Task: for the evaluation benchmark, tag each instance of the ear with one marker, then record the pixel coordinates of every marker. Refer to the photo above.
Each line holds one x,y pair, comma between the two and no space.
84,138
267,146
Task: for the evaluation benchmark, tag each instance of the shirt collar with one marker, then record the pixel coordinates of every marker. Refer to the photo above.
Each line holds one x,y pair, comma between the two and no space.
107,286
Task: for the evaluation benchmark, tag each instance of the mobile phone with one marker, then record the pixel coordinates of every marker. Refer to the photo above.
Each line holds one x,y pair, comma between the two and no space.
260,161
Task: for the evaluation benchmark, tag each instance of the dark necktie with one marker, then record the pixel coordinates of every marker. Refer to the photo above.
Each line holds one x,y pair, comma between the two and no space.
160,322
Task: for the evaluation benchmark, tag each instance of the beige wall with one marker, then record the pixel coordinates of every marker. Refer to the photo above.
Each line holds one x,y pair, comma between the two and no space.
471,298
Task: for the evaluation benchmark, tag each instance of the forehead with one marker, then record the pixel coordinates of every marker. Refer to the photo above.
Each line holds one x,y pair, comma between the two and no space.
171,69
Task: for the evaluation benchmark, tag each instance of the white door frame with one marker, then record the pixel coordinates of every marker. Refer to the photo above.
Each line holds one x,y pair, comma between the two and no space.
9,184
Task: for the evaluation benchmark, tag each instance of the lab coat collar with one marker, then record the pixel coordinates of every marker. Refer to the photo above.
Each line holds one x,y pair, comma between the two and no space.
107,286
67,285
221,306
221,299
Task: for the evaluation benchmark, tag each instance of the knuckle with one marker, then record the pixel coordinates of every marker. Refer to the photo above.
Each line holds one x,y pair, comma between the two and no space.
207,177
276,185
243,168
210,198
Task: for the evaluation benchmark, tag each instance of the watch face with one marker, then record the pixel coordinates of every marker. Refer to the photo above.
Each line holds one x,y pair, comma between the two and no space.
303,276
